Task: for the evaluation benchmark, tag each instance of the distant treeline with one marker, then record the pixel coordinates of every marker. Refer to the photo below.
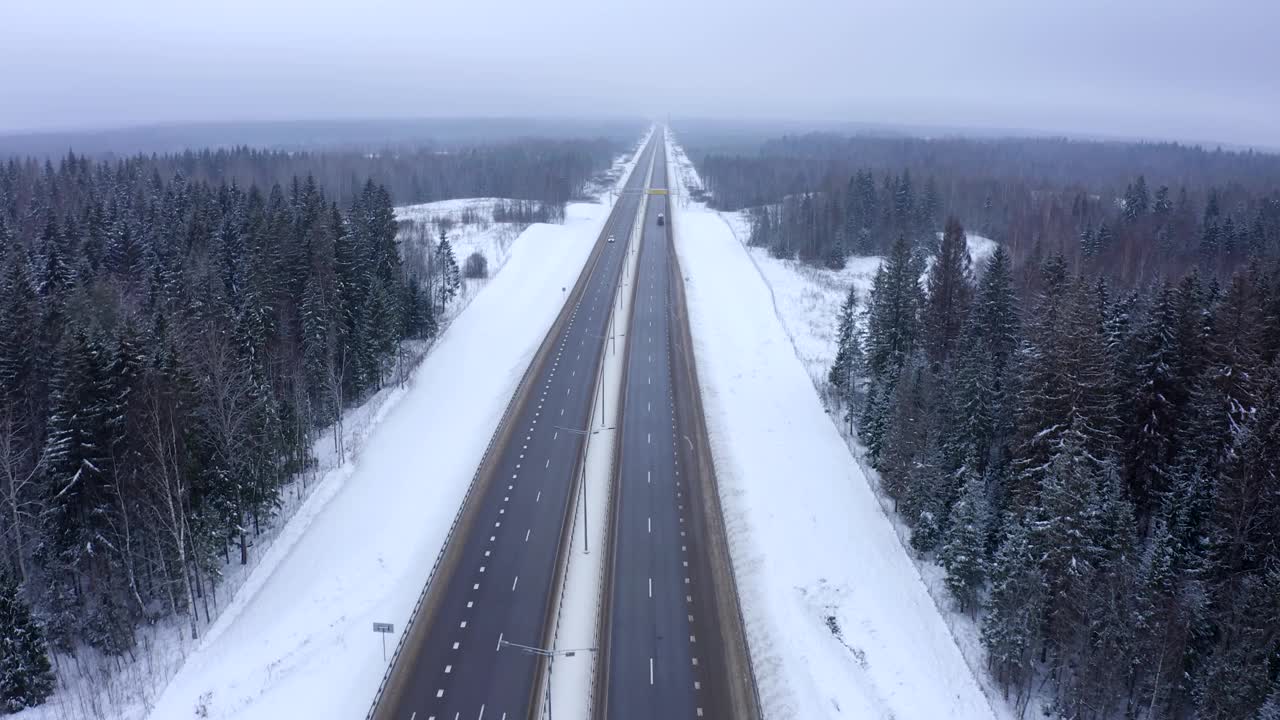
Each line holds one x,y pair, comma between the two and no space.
311,135
545,171
1134,209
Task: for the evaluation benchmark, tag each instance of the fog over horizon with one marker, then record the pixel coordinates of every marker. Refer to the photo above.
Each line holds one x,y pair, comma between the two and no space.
1179,69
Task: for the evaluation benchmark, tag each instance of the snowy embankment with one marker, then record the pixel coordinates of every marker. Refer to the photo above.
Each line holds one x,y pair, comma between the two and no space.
296,640
839,620
808,298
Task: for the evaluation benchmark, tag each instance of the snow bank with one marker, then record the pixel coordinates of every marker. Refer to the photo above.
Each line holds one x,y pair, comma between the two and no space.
839,621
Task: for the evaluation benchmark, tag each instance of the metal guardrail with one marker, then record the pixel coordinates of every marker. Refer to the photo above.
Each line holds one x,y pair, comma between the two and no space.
462,507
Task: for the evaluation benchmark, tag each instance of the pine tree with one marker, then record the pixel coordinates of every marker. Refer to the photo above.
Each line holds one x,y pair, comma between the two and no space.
964,551
1103,240
928,492
1157,398
1067,384
26,678
77,507
841,374
450,279
1136,200
981,376
892,313
17,330
1210,236
949,292
1011,631
1088,244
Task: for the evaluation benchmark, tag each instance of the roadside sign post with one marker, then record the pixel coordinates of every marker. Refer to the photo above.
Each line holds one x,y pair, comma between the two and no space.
384,629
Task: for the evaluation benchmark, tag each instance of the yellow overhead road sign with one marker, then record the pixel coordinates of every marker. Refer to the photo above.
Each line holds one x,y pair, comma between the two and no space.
657,191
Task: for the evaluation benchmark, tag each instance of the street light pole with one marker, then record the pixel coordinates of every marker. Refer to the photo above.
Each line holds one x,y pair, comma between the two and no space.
586,545
547,653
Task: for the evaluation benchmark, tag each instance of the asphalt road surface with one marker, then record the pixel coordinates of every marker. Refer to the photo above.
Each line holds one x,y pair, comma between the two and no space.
663,650
501,585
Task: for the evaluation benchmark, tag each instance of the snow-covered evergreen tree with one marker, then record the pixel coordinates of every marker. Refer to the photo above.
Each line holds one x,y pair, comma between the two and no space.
963,553
26,678
1011,631
950,290
450,281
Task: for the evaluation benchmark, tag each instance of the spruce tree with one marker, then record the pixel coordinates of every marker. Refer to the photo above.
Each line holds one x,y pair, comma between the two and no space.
26,678
1157,398
447,266
963,553
950,289
77,510
840,376
1011,631
982,371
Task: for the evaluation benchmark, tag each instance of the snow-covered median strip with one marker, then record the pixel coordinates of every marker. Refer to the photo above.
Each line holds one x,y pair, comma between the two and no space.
838,618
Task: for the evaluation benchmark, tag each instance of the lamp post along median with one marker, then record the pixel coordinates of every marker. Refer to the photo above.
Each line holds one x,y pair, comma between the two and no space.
546,653
586,545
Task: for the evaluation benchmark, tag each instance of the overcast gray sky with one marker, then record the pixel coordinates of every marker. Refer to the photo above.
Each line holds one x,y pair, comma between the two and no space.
1186,69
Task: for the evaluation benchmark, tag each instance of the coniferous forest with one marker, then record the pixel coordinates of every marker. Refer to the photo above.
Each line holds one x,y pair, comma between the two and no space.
1083,429
174,333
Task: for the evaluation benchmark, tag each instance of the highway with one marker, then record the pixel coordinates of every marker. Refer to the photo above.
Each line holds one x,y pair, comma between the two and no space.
663,649
500,572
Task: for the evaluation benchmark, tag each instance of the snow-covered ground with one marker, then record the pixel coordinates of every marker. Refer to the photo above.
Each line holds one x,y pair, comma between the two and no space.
840,621
807,298
491,239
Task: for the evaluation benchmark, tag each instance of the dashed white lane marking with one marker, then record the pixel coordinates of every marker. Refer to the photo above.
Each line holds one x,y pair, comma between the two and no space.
462,624
457,645
513,588
526,534
651,528
440,693
539,497
481,713
499,646
548,463
650,672
648,476
650,587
